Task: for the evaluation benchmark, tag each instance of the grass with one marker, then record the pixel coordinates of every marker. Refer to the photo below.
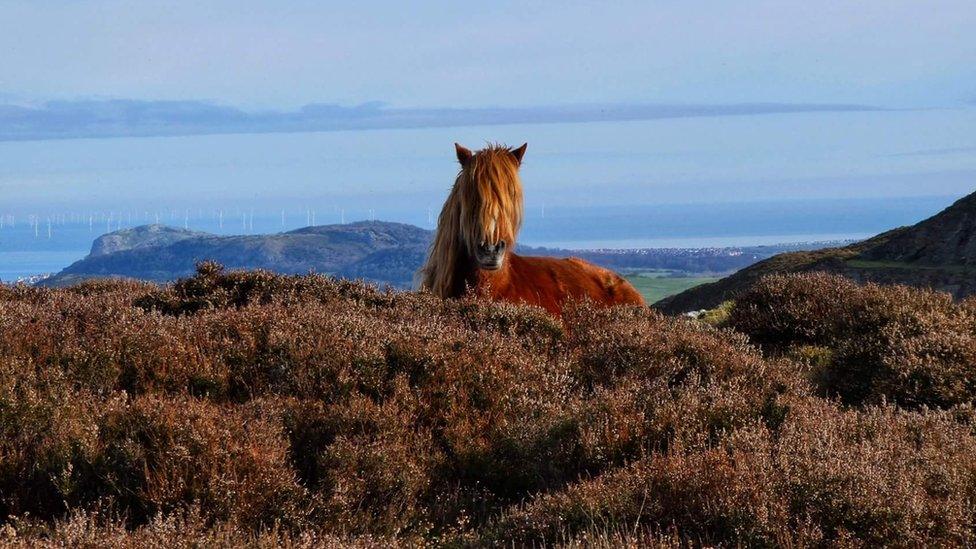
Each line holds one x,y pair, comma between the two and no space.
657,287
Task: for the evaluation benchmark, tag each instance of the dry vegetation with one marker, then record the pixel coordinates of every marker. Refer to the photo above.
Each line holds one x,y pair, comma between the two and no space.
249,408
869,344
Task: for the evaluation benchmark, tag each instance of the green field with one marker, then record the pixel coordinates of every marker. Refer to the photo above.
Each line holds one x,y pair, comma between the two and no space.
655,288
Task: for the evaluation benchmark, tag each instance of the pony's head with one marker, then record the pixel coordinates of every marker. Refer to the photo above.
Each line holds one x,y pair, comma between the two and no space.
481,217
489,193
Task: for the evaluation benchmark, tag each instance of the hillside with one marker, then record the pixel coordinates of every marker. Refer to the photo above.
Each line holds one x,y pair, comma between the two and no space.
939,253
251,409
378,251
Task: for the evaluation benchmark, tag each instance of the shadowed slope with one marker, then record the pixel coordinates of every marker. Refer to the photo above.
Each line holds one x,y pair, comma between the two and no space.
939,253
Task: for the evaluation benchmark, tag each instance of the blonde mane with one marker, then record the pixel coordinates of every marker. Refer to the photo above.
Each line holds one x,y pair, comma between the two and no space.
485,205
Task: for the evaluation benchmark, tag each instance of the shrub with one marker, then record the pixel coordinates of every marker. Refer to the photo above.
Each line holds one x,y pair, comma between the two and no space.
784,310
65,449
825,476
251,408
885,343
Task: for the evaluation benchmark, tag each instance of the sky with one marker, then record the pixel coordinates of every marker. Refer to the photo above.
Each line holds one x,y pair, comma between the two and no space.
112,104
284,54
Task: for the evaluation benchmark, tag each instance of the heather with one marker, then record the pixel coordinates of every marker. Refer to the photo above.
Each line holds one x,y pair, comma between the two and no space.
246,408
867,343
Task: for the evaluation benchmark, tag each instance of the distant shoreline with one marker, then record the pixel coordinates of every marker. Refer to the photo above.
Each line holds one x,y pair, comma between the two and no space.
61,120
707,243
42,263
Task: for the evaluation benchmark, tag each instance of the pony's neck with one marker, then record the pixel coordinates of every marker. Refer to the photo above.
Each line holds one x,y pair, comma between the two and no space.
484,281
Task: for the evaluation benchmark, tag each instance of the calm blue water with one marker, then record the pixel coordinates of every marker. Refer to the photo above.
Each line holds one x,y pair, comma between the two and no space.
662,183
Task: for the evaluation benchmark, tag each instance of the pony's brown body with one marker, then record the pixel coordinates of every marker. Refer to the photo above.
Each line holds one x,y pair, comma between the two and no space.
472,249
550,282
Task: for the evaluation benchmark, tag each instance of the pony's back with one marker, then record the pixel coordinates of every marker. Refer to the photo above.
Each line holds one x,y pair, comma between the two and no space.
551,282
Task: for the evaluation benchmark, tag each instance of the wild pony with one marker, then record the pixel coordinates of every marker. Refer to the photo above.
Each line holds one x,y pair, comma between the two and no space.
473,248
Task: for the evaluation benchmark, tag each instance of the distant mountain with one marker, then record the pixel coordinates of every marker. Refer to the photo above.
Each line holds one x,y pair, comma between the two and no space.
939,253
376,251
373,250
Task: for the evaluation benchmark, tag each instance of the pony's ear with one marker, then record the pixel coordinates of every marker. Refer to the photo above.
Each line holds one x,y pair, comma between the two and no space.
519,152
463,154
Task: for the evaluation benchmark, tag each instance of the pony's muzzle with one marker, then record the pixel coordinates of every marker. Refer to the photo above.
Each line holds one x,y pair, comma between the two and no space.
490,256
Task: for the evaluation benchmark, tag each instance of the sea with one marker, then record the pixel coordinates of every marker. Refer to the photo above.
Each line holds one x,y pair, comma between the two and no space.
671,183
